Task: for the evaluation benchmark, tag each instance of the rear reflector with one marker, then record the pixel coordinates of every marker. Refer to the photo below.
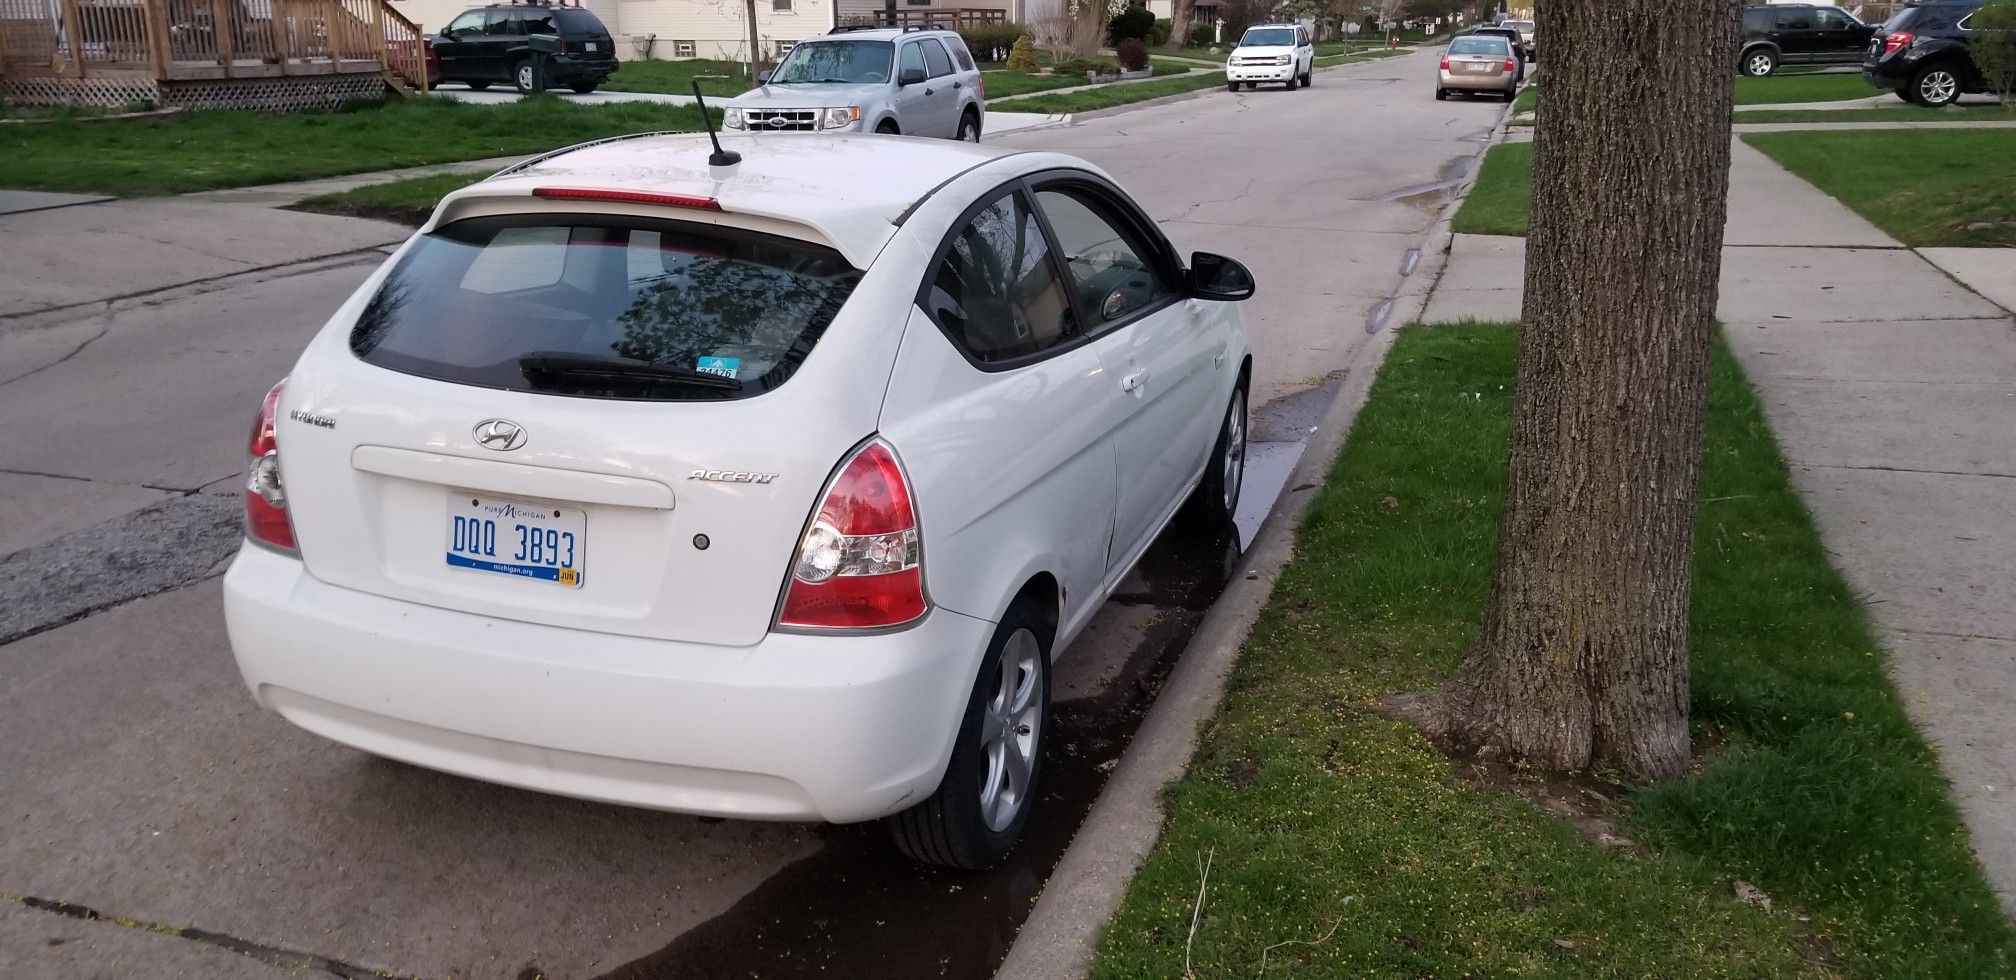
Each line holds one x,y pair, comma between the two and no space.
627,197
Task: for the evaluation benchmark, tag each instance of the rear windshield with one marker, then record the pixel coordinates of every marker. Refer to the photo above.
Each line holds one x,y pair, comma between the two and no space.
1479,45
575,21
604,307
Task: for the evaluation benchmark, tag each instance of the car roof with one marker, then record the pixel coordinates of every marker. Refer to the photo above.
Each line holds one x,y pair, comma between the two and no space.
878,33
850,190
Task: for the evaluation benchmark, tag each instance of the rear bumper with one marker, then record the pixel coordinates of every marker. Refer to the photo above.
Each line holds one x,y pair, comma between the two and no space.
567,70
1260,73
795,728
1502,82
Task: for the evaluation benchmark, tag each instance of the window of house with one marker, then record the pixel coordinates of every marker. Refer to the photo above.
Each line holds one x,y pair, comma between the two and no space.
780,6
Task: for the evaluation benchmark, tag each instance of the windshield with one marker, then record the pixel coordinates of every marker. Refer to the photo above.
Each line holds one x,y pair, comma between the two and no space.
604,307
856,62
1269,37
1479,45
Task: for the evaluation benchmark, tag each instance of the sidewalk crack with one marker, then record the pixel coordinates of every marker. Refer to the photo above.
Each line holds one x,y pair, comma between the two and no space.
1905,469
277,956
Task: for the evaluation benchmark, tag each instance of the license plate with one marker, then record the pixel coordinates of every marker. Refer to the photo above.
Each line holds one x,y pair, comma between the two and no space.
1477,69
517,537
589,46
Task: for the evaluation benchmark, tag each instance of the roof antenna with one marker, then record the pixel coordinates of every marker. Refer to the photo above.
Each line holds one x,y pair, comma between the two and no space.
720,159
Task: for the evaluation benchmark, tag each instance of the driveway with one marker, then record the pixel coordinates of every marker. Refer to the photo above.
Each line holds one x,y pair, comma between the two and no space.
160,825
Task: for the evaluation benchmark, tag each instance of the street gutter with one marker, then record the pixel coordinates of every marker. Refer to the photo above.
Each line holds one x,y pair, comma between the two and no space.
1090,881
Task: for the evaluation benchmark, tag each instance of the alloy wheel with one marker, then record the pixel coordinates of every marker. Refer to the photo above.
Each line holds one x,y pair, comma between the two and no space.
1011,729
1938,87
1235,451
1760,64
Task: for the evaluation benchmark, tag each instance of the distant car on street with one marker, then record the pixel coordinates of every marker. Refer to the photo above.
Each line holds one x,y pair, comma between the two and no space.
1924,53
1525,29
913,81
764,488
1799,34
1475,64
492,44
1272,53
1512,37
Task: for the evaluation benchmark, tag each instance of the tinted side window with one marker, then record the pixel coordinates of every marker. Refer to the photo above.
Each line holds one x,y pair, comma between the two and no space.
469,22
959,54
936,61
911,56
996,293
1758,19
1795,19
1113,272
1831,20
504,22
539,21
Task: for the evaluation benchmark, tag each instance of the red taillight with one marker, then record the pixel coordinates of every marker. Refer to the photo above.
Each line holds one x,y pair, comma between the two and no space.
265,497
626,197
1511,65
433,57
1445,62
859,564
1897,41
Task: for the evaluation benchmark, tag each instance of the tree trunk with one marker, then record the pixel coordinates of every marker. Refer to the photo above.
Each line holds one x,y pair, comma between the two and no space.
1583,655
755,50
1180,12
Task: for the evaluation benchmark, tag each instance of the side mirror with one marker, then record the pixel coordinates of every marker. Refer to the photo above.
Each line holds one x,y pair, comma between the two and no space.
762,78
1219,278
910,76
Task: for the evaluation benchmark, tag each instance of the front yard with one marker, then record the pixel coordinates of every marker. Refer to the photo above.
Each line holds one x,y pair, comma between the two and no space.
1923,187
207,150
1814,836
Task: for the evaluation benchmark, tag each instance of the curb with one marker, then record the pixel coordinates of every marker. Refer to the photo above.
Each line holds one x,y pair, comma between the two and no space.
1090,880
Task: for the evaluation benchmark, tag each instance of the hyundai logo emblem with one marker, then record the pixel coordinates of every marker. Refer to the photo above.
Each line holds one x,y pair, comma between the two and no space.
502,435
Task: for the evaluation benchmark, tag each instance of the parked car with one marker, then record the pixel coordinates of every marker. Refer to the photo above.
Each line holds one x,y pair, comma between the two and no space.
1478,63
912,81
1924,53
1525,29
1513,38
765,490
485,45
1271,53
1800,34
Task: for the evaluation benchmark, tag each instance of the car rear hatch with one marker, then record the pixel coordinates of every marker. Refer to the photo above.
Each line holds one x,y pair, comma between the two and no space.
591,421
586,39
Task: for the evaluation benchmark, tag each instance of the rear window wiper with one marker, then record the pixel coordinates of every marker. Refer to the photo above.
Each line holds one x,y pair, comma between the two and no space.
558,369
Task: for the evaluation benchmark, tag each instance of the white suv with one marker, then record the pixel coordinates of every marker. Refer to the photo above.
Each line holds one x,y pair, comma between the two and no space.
914,81
1272,53
766,490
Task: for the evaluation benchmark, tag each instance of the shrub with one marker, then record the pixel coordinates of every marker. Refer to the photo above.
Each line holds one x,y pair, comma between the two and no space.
1158,36
1131,24
1086,66
1132,53
990,42
1022,57
1202,36
1994,48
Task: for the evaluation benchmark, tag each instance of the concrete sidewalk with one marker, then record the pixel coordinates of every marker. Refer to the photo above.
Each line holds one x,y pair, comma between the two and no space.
1892,391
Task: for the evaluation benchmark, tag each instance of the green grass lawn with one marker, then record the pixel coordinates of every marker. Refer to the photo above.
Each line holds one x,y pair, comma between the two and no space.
205,150
408,202
1897,113
1005,84
1923,187
1343,844
1802,88
1529,99
723,79
1502,198
1107,96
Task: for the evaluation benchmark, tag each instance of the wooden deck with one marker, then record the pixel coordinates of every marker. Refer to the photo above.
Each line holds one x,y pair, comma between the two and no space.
96,51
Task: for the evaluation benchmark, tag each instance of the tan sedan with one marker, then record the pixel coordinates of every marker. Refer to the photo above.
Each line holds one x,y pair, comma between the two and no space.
1478,64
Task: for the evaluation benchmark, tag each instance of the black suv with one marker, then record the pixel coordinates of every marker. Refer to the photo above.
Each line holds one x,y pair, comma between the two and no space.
1800,34
492,44
1923,53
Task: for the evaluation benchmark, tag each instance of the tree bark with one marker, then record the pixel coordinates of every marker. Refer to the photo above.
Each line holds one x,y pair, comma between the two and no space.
1583,658
1180,12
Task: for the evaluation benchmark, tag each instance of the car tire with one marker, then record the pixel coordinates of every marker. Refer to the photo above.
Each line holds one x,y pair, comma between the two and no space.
521,76
1759,62
1212,505
1231,86
1308,76
1935,86
582,88
969,127
888,127
966,823
477,86
1441,95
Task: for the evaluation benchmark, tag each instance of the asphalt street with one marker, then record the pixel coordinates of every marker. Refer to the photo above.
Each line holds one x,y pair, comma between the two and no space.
158,824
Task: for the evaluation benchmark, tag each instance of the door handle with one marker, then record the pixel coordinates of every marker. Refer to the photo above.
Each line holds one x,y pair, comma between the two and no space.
1133,382
930,92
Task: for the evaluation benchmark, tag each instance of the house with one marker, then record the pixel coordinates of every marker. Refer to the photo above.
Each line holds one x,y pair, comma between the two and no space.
678,29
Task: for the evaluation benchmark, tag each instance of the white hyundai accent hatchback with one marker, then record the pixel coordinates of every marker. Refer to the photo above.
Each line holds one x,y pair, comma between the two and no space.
765,491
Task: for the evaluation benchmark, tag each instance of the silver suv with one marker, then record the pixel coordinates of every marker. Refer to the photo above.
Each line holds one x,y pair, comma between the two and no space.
913,81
